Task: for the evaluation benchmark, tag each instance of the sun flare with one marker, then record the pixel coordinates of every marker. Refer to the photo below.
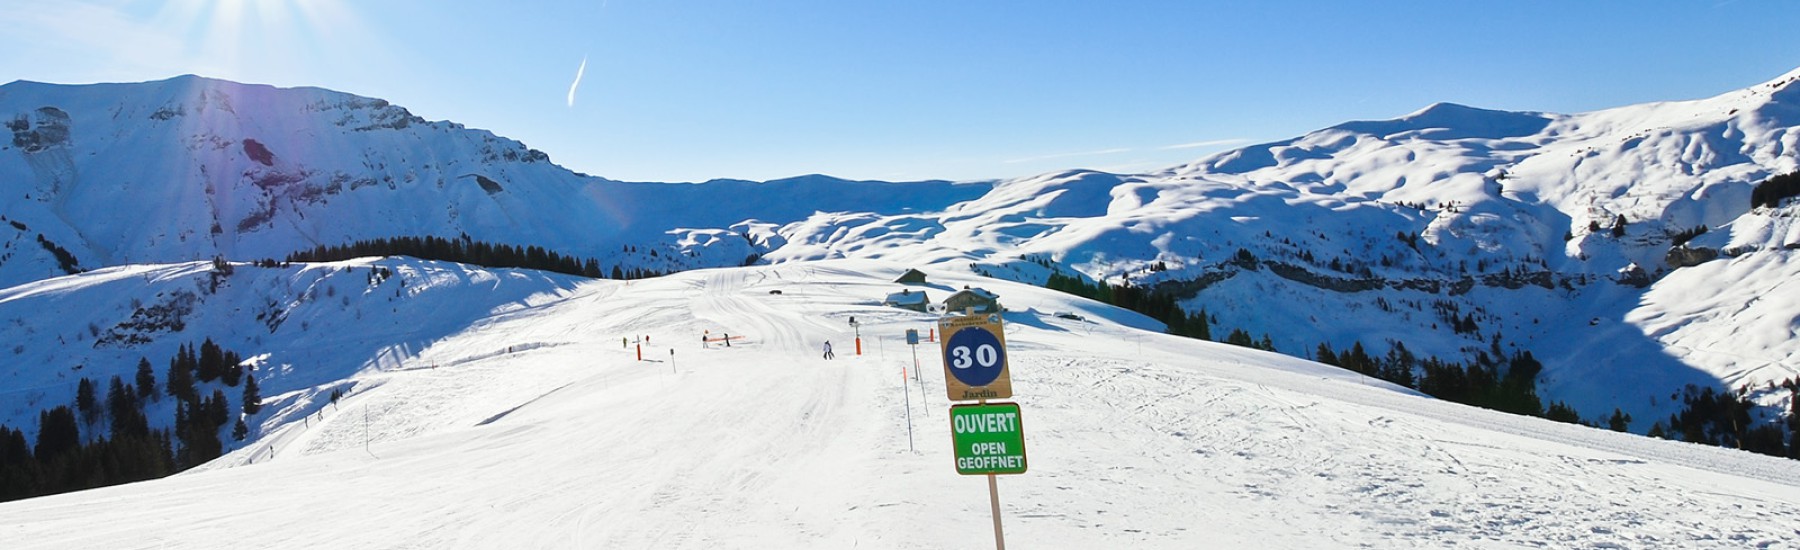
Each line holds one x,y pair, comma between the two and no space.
237,36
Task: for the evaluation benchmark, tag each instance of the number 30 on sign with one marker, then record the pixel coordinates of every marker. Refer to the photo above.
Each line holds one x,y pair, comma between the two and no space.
975,358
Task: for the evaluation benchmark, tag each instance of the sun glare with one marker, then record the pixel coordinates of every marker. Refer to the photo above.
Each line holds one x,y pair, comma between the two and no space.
238,37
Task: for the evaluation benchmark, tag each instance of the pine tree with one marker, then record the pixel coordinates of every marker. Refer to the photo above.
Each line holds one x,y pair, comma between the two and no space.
14,451
1562,412
15,458
181,379
198,432
57,434
124,409
212,362
185,454
1325,355
252,396
1619,421
146,379
1358,360
1398,366
218,409
119,401
240,430
233,371
1770,192
87,402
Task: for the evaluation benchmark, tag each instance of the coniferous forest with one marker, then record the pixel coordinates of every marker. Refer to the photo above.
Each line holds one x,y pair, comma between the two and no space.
1770,192
473,252
1490,379
104,436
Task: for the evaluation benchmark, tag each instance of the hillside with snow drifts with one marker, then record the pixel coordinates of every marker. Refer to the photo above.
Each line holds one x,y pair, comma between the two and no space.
517,418
1454,231
305,331
193,168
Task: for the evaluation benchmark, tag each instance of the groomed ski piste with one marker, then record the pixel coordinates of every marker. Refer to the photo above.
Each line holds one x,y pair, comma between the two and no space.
538,426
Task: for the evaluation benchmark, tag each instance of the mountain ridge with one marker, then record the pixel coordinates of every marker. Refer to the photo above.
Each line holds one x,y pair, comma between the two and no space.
1520,210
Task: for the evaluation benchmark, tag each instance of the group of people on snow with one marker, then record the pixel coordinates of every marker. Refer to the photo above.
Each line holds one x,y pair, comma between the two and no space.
706,337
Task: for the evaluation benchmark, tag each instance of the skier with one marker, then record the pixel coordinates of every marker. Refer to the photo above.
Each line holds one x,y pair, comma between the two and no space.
727,339
828,354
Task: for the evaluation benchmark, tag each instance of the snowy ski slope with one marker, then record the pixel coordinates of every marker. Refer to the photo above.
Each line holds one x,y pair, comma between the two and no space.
531,425
1366,231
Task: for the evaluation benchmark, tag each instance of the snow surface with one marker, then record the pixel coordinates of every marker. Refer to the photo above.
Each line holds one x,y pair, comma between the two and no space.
1500,204
488,407
307,327
530,424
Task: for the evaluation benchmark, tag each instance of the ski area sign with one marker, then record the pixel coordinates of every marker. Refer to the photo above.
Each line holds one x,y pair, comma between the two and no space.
975,358
988,439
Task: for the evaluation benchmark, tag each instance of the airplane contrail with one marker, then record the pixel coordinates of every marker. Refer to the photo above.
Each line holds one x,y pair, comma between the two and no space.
577,82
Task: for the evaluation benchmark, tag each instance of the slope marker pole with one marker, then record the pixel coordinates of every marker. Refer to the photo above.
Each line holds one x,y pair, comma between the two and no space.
908,391
915,376
366,432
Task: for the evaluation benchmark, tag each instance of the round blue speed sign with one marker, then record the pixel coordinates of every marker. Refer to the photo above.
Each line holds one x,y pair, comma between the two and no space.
974,356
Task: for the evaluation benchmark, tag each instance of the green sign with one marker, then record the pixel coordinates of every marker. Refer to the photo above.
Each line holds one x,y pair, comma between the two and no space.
989,439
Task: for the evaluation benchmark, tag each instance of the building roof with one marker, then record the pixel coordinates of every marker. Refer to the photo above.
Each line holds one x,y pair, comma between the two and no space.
976,292
911,275
906,297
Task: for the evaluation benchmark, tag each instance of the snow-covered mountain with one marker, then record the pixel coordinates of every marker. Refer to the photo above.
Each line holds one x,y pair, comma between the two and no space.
192,168
422,403
1393,231
1503,224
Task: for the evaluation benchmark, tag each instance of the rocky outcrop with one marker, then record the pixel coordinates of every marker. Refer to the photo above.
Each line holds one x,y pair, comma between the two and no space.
1511,280
1634,276
1682,256
1304,276
1514,280
43,129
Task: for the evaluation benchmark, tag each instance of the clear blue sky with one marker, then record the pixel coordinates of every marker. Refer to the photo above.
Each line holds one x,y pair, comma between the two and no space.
687,90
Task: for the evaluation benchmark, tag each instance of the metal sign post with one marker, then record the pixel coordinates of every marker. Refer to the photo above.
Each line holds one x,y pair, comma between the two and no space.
912,340
908,392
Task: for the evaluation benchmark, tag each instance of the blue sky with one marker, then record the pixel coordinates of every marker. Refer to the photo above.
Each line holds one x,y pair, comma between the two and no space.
688,90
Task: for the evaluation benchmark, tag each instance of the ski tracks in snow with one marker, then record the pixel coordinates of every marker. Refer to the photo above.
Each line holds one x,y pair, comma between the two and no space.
1258,450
